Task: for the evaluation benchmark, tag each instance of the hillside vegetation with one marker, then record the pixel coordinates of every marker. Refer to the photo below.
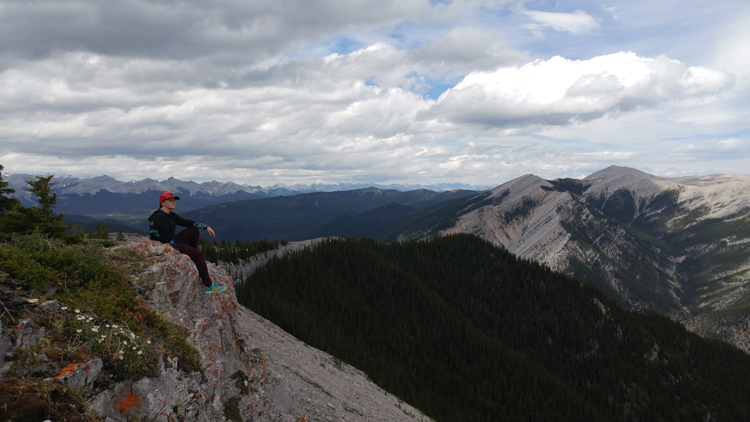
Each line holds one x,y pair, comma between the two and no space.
466,331
81,299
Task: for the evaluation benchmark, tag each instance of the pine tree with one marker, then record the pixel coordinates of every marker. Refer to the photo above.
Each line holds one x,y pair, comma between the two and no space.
26,220
6,203
42,188
103,233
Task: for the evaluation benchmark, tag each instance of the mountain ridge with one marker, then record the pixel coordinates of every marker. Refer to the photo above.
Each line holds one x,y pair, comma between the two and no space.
676,245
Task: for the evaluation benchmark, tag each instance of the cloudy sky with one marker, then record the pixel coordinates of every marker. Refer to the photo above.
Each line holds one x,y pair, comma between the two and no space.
474,92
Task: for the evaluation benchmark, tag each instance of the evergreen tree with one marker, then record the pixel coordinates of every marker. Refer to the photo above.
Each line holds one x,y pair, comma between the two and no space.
42,187
102,232
24,220
6,203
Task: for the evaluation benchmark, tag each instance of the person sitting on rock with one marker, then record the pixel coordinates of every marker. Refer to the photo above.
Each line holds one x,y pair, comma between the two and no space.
162,223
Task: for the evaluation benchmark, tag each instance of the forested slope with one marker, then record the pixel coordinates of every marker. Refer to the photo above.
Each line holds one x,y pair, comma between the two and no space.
466,331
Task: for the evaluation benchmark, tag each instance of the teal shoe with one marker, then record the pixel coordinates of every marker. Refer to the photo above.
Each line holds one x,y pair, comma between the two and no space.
214,288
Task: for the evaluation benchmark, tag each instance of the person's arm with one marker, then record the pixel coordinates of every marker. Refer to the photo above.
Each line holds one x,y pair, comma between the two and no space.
184,222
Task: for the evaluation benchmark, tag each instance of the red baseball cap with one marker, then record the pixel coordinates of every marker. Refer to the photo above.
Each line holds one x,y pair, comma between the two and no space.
166,195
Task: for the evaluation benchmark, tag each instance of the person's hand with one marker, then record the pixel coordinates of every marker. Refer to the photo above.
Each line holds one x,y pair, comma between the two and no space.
186,256
210,231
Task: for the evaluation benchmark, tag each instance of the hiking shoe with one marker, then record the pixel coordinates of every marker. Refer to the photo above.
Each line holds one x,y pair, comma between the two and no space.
213,288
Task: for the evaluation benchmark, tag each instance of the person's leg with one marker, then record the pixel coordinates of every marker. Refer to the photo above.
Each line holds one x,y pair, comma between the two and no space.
200,262
189,237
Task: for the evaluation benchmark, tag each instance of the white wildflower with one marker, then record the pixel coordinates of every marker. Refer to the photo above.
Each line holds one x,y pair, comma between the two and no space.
78,311
140,352
78,331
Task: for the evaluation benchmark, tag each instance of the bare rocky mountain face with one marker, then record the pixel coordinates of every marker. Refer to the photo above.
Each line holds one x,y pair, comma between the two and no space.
250,365
680,246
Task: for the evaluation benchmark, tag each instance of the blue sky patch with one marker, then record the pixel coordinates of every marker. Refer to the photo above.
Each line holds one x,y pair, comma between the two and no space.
438,86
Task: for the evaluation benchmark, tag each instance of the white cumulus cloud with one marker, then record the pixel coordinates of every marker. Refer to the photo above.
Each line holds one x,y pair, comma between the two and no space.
304,91
560,91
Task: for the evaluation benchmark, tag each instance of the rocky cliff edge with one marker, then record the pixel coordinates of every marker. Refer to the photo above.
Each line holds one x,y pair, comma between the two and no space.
252,370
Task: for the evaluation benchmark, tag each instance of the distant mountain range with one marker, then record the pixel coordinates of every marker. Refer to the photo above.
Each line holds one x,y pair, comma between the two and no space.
364,212
680,246
95,185
127,204
219,190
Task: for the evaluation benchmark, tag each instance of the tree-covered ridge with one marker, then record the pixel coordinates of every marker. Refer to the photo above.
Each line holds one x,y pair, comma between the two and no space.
225,251
466,331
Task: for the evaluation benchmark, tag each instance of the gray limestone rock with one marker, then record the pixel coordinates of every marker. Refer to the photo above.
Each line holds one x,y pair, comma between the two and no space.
79,374
50,306
27,333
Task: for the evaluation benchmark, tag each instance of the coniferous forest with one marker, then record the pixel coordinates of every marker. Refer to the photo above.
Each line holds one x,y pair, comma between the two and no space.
465,331
235,252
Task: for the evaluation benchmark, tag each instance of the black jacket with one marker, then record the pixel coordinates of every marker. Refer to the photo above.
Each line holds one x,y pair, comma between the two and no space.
162,226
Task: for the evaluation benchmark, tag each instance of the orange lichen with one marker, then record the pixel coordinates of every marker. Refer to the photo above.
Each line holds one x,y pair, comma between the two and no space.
128,402
70,369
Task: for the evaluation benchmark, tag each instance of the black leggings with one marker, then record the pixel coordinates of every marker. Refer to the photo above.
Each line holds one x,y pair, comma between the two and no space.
187,243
